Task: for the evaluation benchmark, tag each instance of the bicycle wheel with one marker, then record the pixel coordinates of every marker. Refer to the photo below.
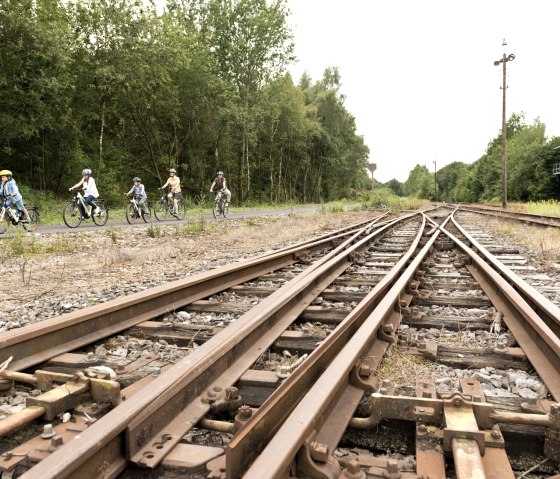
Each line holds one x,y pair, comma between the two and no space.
72,215
217,211
225,209
33,220
131,214
103,216
146,214
161,210
181,210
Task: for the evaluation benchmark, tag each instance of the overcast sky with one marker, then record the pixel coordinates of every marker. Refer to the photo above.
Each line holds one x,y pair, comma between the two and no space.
419,76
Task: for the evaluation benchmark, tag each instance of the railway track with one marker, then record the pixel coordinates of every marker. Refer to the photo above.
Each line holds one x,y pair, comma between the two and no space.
528,218
283,355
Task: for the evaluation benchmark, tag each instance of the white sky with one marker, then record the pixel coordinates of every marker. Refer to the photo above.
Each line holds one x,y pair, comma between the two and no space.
418,75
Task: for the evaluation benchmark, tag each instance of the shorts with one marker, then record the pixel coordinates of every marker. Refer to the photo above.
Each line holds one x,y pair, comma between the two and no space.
17,203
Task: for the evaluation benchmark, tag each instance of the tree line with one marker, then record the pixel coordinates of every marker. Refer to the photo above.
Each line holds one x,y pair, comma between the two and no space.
530,159
118,87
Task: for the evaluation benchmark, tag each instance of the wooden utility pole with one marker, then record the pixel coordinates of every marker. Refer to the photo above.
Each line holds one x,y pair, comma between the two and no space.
372,167
505,58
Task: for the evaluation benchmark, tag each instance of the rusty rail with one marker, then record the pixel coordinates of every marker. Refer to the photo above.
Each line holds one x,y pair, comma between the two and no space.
39,342
540,220
258,431
310,433
547,310
313,411
148,425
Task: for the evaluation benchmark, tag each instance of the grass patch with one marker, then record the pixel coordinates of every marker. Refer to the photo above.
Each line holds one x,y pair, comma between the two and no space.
22,245
386,198
548,207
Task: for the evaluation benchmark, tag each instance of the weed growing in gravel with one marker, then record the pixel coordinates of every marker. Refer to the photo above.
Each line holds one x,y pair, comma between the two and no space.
154,231
112,233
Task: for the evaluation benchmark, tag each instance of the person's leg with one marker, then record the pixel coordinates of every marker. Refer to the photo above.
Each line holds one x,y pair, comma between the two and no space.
228,195
142,206
21,209
89,201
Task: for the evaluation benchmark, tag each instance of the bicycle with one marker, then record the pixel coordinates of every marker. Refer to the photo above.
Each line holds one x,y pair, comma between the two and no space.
8,216
72,214
220,205
164,207
134,211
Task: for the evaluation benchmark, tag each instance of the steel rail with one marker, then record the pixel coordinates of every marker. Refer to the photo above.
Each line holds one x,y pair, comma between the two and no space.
311,412
258,431
39,342
534,336
542,305
541,220
147,426
309,418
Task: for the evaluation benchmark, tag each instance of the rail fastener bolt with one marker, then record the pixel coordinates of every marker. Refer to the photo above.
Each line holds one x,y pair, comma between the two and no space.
364,371
352,471
392,471
48,431
319,452
422,428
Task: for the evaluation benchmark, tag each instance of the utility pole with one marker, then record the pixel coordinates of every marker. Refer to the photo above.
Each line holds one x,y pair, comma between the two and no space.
372,167
505,58
435,181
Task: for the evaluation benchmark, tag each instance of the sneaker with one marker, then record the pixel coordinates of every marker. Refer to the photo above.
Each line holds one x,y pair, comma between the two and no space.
96,212
23,220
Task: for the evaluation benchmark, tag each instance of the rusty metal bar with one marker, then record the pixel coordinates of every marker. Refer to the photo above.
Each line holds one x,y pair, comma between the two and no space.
15,421
276,458
39,342
20,377
154,421
467,458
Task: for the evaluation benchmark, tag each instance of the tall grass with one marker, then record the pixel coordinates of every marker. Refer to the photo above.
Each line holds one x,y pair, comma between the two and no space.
545,207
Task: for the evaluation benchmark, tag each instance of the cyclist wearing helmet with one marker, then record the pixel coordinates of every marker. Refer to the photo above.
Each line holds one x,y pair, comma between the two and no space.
139,193
10,191
90,192
219,184
174,184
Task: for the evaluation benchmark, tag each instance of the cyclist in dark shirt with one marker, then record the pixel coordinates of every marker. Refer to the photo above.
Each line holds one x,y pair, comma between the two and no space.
219,184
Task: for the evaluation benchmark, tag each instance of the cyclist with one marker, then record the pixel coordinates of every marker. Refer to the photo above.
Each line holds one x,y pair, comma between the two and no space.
219,184
139,193
10,191
174,184
90,192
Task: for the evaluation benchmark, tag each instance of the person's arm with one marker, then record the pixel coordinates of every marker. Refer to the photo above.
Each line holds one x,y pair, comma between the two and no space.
225,185
166,183
76,185
212,187
142,190
129,192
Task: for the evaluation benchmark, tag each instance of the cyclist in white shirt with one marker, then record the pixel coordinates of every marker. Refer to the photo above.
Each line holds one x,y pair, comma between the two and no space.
90,192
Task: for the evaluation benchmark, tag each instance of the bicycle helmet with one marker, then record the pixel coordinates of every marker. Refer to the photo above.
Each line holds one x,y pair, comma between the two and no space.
86,171
136,179
220,173
6,173
172,170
